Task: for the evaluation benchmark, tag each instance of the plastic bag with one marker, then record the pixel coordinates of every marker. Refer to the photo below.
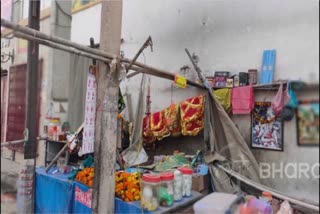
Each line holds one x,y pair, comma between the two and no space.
285,208
281,99
294,100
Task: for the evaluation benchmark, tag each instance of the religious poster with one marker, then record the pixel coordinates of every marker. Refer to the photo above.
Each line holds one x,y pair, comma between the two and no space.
308,123
267,129
90,114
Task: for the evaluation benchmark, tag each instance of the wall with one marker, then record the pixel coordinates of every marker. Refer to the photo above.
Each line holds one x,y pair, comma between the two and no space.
21,58
230,35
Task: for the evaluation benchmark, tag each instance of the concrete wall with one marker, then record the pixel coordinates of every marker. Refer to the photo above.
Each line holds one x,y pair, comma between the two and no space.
226,35
21,58
231,35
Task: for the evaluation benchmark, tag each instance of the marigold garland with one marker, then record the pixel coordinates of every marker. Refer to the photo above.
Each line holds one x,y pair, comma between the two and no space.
86,176
128,186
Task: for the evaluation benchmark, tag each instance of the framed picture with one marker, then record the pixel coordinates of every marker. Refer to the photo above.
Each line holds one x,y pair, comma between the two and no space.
266,129
307,115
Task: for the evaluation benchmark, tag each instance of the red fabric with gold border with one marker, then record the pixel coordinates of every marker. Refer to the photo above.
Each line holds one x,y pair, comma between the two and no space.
158,125
172,117
147,133
192,115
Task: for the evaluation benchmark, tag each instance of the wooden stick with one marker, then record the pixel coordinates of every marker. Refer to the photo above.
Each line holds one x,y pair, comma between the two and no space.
65,147
60,47
145,45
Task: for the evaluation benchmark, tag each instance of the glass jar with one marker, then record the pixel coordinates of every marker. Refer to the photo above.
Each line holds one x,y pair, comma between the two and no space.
177,185
53,128
150,185
166,189
186,181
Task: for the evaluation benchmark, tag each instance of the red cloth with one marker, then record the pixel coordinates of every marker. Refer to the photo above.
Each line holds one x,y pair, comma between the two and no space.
158,125
242,100
192,115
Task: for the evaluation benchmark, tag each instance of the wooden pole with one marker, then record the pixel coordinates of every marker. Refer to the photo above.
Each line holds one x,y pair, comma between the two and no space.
148,69
145,45
107,116
60,47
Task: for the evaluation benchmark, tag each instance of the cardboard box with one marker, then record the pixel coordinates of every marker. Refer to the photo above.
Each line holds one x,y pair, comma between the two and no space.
200,183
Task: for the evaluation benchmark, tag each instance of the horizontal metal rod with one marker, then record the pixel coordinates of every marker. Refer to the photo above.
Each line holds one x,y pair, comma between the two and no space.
264,188
61,41
9,143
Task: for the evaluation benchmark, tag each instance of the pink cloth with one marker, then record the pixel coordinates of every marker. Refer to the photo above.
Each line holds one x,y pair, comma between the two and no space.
281,99
242,100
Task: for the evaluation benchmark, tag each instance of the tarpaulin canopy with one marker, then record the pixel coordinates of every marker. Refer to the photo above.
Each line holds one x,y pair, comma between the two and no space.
226,145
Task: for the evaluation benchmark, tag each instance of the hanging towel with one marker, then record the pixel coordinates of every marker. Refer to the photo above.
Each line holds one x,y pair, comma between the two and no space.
224,98
242,100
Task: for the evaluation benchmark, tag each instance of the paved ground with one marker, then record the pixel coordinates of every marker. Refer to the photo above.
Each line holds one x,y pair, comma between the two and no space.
9,178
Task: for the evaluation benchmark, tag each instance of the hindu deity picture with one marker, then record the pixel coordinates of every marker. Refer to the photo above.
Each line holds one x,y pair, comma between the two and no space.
308,123
267,129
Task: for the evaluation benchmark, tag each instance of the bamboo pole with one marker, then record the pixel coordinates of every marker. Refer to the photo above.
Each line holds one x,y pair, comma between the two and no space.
60,47
54,39
145,45
264,188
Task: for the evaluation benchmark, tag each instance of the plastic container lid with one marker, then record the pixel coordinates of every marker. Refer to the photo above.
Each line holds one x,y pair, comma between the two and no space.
167,176
185,170
151,178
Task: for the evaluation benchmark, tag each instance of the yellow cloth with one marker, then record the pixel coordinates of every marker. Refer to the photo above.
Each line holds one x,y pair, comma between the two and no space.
224,97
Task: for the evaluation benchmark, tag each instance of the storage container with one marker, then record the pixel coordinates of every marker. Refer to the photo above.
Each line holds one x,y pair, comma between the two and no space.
186,181
253,79
166,189
177,185
150,185
54,128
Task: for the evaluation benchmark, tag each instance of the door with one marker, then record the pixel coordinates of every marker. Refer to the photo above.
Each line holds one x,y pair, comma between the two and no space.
16,116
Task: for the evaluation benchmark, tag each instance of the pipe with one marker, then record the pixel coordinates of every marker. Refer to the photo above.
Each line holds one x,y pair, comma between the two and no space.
9,143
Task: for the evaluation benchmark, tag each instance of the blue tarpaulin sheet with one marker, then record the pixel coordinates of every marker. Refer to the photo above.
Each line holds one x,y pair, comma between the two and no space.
82,198
53,192
56,194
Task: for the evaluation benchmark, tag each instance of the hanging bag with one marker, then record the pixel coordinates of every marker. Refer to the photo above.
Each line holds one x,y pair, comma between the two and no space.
280,100
294,100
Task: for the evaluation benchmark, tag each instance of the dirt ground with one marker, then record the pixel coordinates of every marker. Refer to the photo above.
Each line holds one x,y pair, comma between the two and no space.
9,177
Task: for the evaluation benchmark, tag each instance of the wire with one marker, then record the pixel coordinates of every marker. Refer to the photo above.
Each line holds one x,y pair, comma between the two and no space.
62,11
